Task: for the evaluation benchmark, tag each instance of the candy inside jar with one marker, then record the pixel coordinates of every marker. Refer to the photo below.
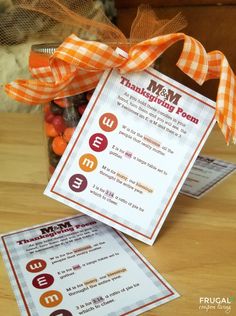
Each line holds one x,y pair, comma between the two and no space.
61,117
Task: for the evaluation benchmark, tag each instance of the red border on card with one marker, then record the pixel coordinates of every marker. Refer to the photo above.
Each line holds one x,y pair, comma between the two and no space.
123,239
76,140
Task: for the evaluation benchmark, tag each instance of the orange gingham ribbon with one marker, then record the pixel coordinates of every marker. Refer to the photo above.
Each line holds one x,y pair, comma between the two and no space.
77,65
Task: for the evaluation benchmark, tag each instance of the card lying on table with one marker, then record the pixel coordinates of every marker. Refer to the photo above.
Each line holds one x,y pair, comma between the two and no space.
205,174
132,150
78,266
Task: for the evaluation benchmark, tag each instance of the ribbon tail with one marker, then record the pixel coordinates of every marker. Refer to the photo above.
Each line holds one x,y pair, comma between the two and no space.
226,95
34,92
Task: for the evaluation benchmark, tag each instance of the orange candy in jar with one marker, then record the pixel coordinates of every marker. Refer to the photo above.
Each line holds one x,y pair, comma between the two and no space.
61,117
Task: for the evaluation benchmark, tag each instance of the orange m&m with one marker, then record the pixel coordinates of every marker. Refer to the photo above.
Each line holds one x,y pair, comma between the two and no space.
68,133
59,145
50,130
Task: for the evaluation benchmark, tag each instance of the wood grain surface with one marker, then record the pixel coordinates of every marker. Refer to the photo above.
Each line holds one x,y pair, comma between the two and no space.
195,250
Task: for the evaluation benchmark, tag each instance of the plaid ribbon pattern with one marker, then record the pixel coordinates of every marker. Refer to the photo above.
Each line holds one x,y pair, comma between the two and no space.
77,65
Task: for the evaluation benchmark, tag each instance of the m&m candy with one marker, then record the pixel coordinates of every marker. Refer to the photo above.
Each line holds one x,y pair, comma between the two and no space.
68,133
59,124
50,130
61,117
59,145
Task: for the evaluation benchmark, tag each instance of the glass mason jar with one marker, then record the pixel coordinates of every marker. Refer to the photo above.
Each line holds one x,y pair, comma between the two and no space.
61,116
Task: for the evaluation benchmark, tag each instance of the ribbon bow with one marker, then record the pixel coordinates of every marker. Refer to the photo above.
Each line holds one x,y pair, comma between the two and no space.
77,65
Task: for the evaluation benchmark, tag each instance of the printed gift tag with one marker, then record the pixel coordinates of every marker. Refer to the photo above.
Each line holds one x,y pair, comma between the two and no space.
205,174
78,266
132,150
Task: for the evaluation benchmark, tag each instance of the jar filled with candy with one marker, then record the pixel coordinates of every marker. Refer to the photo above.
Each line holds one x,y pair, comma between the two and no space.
61,116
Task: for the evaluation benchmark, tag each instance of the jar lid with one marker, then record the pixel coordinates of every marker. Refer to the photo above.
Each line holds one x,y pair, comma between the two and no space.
47,48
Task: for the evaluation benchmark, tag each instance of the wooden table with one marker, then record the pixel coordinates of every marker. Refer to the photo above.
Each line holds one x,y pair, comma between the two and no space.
195,250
